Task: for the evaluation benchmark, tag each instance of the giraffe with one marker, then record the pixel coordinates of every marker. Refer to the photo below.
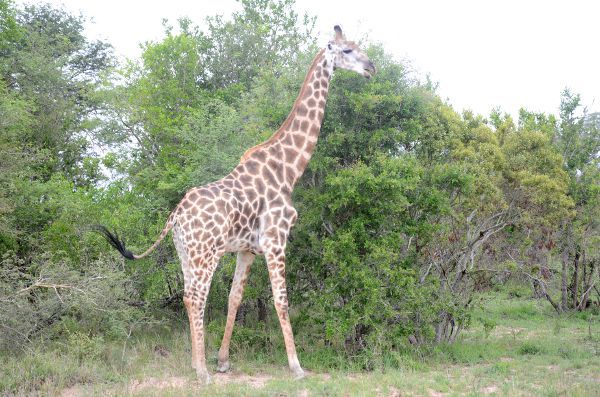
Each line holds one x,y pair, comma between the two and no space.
250,211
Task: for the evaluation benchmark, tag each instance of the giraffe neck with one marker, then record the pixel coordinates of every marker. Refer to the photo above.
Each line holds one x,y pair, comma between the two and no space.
291,147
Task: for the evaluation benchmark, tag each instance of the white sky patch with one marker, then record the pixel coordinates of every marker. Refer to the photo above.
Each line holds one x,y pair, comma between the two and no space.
483,54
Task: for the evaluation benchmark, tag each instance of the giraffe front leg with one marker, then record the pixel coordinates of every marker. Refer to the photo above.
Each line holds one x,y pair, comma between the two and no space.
242,268
276,265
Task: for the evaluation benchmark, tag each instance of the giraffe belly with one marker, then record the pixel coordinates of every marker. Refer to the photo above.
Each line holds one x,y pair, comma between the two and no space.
243,240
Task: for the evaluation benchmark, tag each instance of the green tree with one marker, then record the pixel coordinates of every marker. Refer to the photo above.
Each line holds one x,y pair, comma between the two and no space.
16,119
54,67
9,29
49,76
577,137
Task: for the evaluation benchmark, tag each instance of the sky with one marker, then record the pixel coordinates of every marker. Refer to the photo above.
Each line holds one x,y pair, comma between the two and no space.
483,53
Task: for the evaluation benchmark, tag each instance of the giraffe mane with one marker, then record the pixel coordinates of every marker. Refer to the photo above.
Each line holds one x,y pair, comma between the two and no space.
290,116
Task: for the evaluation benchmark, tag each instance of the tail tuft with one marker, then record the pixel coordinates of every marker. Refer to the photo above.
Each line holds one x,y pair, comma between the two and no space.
114,240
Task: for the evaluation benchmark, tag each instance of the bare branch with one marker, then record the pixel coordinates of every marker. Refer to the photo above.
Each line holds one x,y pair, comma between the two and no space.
543,287
41,284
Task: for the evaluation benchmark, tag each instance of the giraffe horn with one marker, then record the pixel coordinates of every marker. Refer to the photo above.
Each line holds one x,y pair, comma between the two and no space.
338,33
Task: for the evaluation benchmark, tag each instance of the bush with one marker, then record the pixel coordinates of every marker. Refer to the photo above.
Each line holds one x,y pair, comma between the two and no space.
85,347
48,299
530,348
361,294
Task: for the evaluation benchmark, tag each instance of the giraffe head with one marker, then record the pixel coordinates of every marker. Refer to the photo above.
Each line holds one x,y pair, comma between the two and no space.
347,55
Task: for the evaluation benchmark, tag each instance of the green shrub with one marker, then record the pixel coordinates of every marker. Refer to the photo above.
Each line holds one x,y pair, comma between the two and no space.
499,368
256,338
50,299
521,310
488,325
84,347
530,348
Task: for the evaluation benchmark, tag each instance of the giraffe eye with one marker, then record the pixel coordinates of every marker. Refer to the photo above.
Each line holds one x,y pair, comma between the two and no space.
348,51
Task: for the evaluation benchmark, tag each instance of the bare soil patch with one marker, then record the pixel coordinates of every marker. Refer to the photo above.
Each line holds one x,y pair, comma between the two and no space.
178,382
257,381
489,390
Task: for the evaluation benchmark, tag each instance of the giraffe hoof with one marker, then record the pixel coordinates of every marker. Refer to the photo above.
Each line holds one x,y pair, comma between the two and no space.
223,366
203,377
298,373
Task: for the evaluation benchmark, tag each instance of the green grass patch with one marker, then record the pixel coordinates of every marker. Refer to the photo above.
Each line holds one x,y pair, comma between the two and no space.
530,348
514,347
468,352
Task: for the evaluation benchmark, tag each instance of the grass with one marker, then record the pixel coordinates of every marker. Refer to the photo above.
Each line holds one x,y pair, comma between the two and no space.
515,346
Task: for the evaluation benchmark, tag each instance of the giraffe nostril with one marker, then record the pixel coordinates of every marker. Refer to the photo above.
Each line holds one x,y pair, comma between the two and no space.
371,68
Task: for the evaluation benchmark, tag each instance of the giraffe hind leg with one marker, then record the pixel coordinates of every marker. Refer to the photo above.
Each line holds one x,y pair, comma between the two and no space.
178,240
242,268
199,276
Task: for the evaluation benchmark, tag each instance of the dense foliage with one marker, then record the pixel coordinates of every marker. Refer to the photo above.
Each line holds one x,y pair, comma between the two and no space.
406,211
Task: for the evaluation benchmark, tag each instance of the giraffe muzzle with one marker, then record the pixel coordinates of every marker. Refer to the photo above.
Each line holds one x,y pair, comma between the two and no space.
369,70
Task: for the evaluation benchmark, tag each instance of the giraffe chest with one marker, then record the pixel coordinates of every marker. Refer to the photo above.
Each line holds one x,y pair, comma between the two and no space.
252,226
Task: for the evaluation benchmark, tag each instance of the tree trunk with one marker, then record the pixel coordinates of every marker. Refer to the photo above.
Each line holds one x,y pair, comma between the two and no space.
440,329
566,253
575,283
262,310
240,316
588,283
539,286
565,270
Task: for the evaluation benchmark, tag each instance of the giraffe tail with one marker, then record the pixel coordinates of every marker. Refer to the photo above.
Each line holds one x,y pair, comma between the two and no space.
119,245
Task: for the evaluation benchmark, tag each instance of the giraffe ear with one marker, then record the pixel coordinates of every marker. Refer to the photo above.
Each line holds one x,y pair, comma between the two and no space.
338,33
